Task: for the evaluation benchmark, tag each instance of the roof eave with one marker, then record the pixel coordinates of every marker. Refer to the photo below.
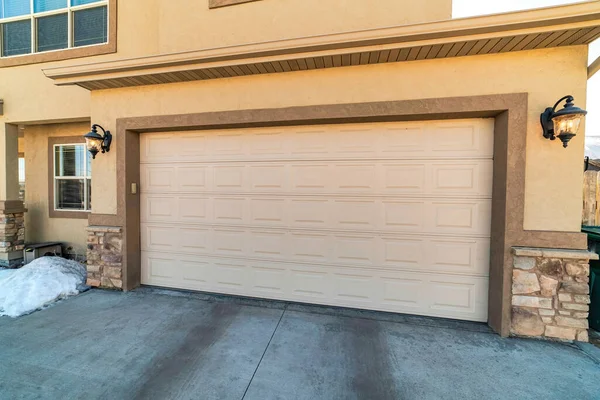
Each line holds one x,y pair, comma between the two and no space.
582,19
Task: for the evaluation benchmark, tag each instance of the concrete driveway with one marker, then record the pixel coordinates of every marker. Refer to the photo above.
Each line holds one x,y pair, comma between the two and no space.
152,344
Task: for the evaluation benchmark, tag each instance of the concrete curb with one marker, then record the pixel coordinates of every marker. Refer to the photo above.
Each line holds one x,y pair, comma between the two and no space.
590,350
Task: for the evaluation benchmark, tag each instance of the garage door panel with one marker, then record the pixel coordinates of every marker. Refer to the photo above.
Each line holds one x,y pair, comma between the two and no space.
405,292
233,275
309,213
192,179
229,210
355,250
384,216
404,178
158,178
229,242
158,208
312,178
270,143
355,178
467,256
450,178
355,214
269,244
270,280
463,179
310,284
269,178
229,178
463,137
457,297
309,142
268,211
194,209
310,247
355,288
159,238
405,140
194,240
197,273
231,143
466,218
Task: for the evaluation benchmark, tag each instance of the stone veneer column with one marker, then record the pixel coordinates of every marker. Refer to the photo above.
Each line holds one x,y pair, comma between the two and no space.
104,257
12,233
550,293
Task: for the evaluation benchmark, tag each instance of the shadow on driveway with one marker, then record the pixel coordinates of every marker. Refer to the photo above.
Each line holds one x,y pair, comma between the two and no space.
156,344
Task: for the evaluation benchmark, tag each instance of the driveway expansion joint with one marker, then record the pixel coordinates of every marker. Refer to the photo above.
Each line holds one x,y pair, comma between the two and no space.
264,352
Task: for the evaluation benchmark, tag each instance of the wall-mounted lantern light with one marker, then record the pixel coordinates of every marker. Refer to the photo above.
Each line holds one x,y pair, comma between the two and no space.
563,124
96,143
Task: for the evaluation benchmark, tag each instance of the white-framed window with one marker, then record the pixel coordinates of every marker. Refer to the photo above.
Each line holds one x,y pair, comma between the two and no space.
72,178
34,26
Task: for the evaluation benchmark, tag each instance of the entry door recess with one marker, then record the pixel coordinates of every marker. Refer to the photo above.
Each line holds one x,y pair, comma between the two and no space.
381,216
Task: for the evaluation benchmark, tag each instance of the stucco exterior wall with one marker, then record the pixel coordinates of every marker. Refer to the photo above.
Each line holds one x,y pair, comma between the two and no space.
200,27
41,228
552,172
150,27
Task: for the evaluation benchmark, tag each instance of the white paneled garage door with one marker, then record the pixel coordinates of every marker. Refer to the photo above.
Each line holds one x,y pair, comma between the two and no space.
382,216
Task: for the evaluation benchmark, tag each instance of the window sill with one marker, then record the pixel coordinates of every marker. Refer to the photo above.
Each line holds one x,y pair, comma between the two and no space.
225,3
69,214
59,55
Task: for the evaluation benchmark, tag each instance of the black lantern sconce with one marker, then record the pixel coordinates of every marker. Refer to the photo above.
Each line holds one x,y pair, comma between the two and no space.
96,143
563,124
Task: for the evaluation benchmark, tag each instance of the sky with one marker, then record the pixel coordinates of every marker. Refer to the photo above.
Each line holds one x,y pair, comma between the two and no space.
468,8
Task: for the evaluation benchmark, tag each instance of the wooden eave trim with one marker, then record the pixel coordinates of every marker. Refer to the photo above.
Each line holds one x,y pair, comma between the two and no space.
577,16
594,67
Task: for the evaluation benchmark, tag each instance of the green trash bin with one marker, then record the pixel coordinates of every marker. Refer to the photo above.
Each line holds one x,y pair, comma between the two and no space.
593,233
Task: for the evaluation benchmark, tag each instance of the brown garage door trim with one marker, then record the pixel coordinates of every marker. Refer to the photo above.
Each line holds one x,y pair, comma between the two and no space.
509,111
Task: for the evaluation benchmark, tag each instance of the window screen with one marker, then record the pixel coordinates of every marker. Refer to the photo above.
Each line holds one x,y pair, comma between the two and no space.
89,27
16,38
53,32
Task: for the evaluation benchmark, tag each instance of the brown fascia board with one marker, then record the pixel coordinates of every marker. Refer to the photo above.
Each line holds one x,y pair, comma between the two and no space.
542,20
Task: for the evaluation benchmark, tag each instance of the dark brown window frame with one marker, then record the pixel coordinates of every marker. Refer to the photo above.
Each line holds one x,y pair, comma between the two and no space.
76,52
52,212
226,3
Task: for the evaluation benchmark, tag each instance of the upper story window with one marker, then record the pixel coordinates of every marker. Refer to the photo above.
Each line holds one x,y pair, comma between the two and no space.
34,26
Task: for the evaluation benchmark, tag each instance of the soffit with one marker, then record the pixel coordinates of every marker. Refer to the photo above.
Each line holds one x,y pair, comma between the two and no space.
570,25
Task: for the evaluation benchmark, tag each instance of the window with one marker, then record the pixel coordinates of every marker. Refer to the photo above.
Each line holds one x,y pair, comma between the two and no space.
72,178
34,26
21,178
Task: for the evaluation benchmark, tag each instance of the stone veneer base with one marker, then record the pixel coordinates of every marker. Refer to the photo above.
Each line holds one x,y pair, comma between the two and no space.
550,293
12,237
104,257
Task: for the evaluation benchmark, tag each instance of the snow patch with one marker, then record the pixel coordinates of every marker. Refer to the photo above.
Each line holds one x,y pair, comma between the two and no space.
38,284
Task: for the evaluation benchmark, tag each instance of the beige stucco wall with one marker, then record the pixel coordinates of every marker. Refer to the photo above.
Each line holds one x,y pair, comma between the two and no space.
554,176
149,27
266,20
39,227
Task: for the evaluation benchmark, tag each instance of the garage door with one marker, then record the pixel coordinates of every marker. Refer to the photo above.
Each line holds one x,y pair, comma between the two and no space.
382,216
